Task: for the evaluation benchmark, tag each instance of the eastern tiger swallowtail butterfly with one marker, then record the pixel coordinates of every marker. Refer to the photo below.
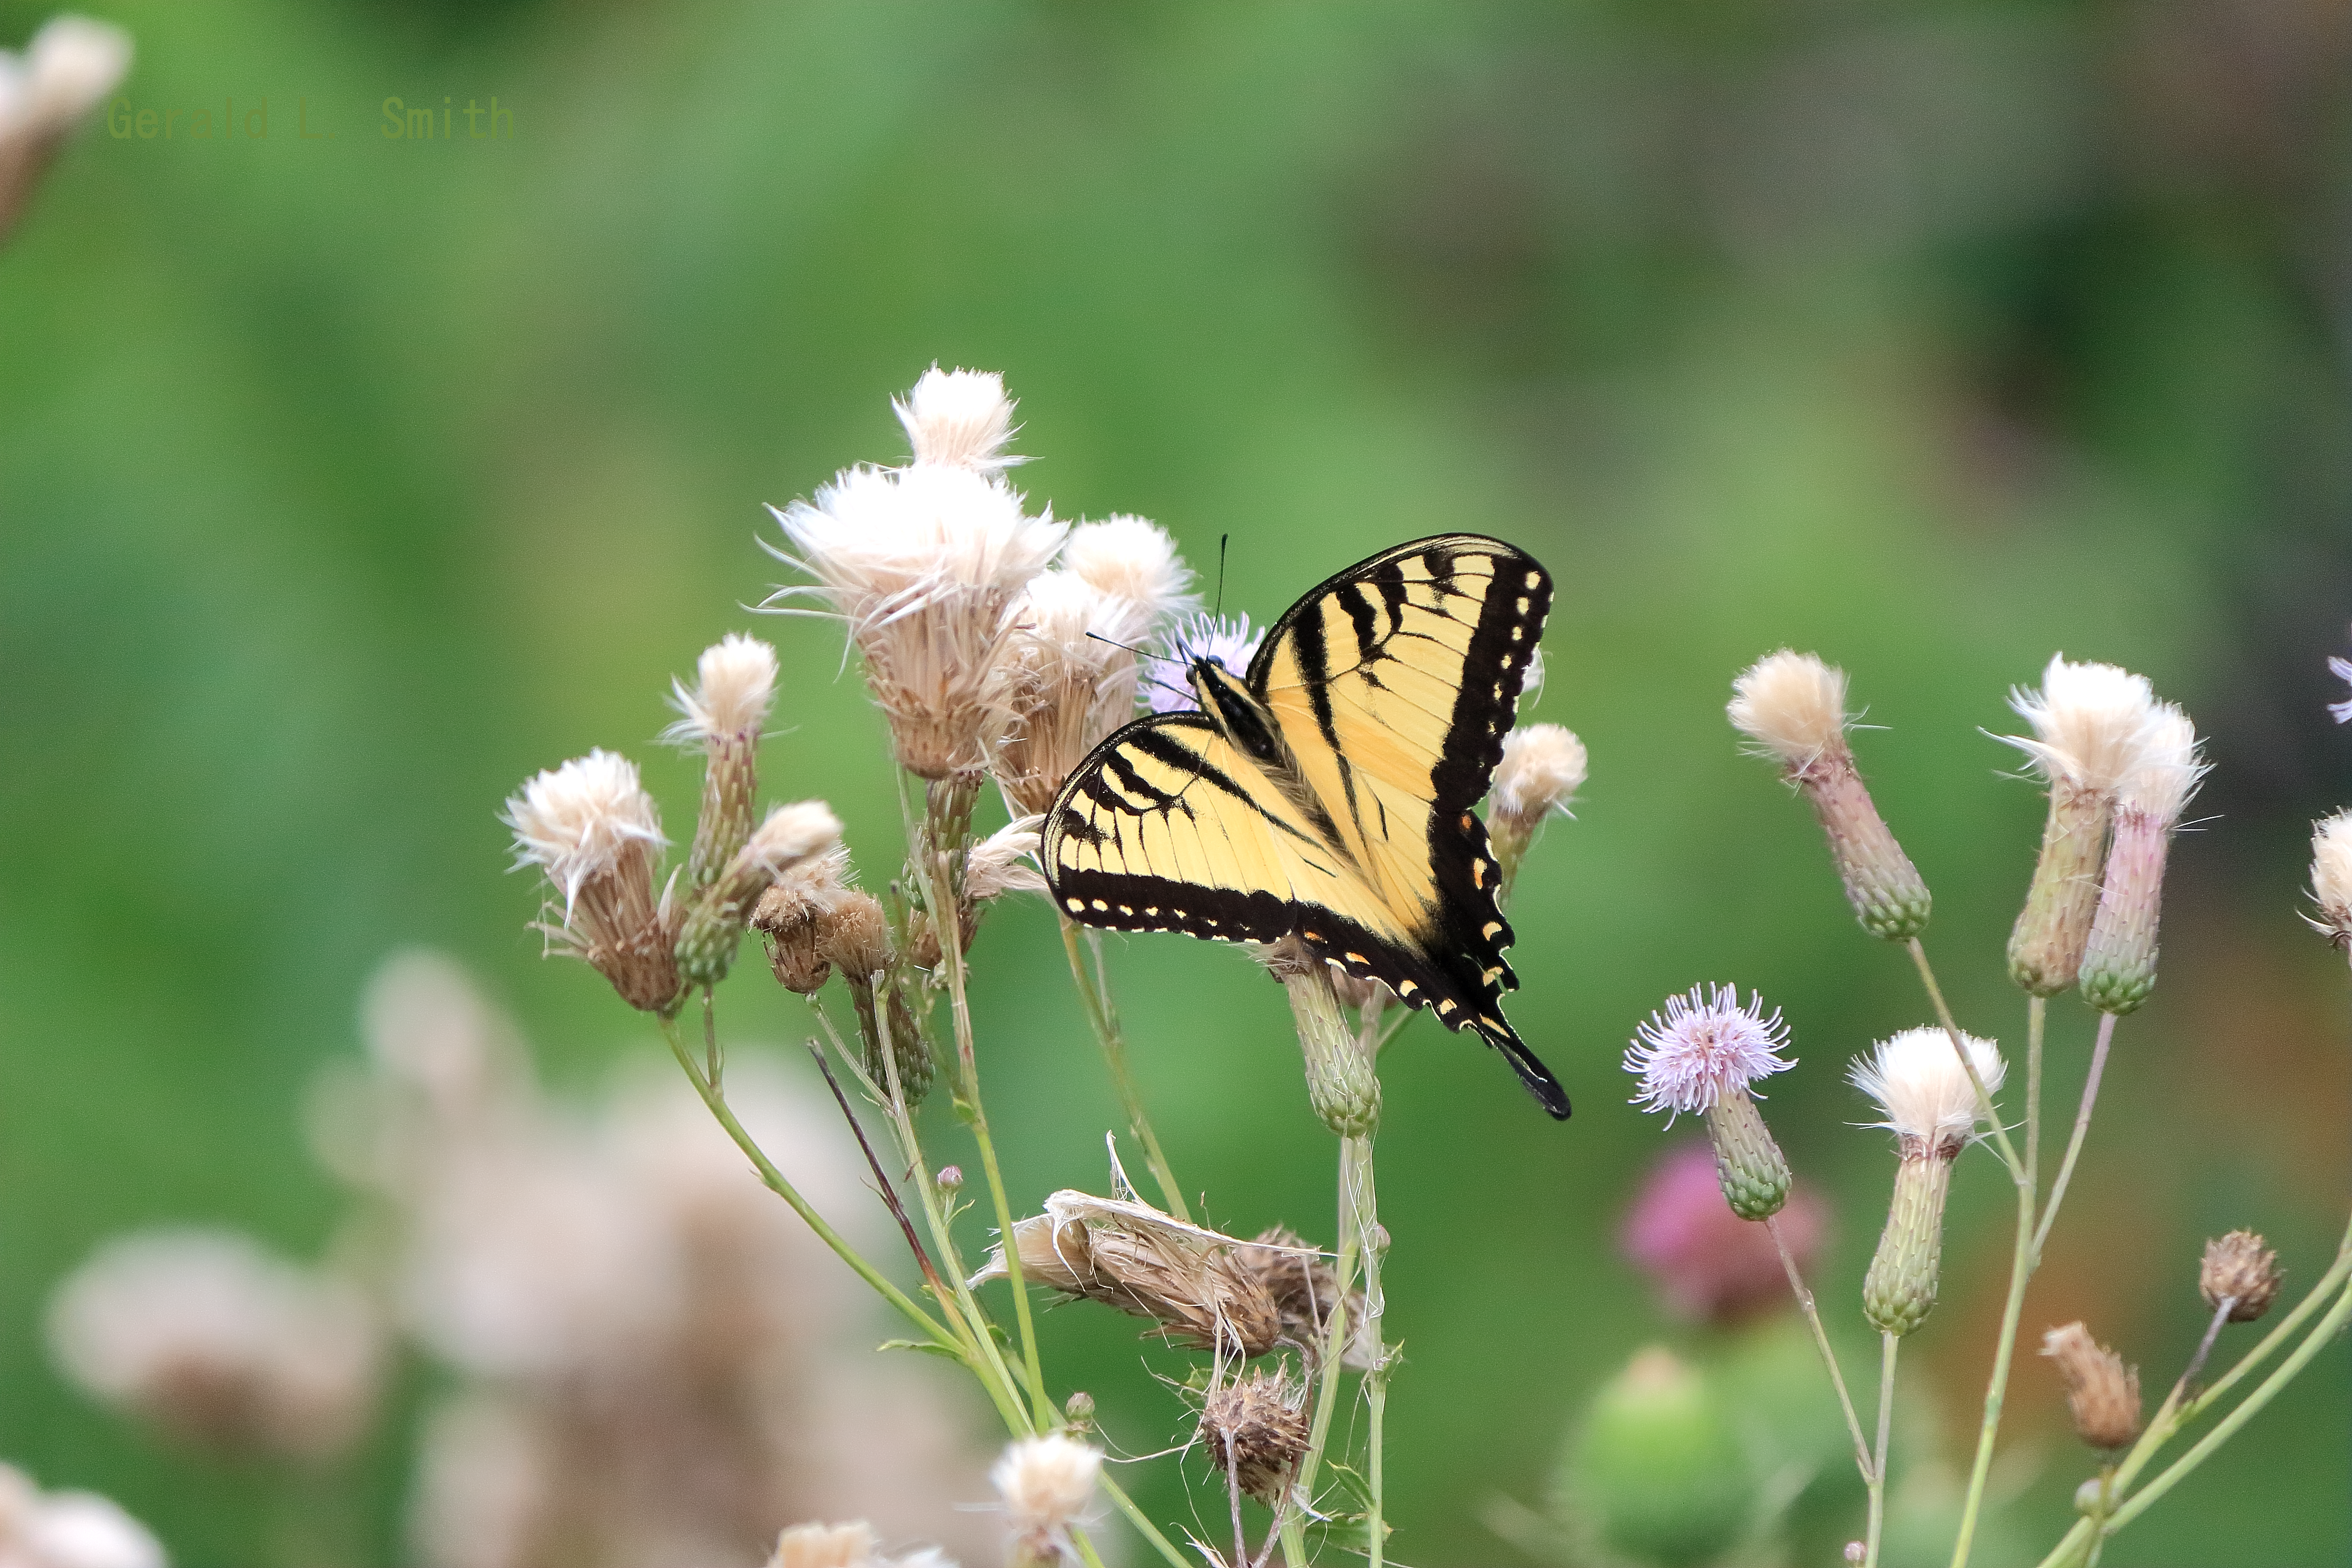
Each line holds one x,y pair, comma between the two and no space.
1329,793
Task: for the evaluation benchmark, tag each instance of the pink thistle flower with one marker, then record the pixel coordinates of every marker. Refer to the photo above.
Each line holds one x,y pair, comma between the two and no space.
1706,1262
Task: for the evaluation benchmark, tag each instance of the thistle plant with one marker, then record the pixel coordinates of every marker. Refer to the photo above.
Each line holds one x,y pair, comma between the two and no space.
999,643
2119,765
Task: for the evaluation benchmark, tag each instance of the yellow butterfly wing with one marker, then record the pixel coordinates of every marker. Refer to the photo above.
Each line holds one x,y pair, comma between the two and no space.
1391,687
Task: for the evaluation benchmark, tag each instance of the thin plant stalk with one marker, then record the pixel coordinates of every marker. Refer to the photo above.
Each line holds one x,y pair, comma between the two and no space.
717,1104
1870,1474
2021,1270
940,841
1102,1013
1952,1031
1361,1213
1888,1345
2227,1428
2176,1414
1337,1330
2082,1126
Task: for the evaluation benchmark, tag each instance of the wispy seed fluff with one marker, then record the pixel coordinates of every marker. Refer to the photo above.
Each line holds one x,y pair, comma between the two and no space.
591,827
1073,632
714,924
1702,1054
1542,768
1923,1092
1925,1095
2093,724
1792,706
734,687
958,418
2118,968
2331,877
922,563
1047,1484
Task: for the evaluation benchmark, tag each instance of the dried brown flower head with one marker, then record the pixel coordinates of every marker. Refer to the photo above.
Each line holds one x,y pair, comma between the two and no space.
791,914
1305,1287
1126,1254
594,830
1257,1427
2241,1270
2102,1392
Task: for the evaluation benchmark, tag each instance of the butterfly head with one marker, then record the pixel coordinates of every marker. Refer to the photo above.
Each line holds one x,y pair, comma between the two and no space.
1227,699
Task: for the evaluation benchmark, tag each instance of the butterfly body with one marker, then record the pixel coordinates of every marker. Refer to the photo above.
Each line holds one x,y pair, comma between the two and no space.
1328,793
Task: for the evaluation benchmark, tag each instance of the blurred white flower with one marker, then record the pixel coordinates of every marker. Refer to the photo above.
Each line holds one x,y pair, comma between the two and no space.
215,1341
69,1529
1047,1484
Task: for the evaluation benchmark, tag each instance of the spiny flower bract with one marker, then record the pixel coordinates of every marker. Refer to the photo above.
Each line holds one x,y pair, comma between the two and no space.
1699,1046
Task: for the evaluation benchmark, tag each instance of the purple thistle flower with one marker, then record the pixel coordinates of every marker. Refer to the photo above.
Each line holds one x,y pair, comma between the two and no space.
1230,642
1697,1048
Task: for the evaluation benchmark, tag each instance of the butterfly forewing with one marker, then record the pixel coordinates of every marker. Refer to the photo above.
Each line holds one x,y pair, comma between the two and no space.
1170,827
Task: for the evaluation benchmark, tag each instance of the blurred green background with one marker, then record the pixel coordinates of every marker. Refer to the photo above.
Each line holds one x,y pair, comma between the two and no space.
345,482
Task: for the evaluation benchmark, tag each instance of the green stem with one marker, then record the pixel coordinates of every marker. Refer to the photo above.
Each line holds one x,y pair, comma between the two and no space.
992,1373
716,1102
1361,1211
1952,1031
2227,1428
1142,1522
2082,1126
1337,1333
1829,1357
2021,1270
1102,1013
1888,1345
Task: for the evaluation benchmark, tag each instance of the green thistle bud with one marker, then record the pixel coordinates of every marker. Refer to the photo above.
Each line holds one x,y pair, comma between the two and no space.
1793,706
1754,1173
1342,1082
1899,1292
714,924
2095,726
1658,1474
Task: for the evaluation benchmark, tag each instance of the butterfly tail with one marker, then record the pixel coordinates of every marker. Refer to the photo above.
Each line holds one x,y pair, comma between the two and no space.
1531,1072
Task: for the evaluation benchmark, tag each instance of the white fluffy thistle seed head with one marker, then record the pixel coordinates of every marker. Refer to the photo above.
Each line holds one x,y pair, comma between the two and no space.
1047,1484
1791,705
788,835
958,418
1131,558
2158,788
1542,768
2341,668
921,564
734,687
1700,1047
576,822
2092,723
2331,877
1923,1092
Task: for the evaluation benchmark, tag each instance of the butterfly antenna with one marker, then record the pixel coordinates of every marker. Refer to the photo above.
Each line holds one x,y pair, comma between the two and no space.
1223,539
1139,653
